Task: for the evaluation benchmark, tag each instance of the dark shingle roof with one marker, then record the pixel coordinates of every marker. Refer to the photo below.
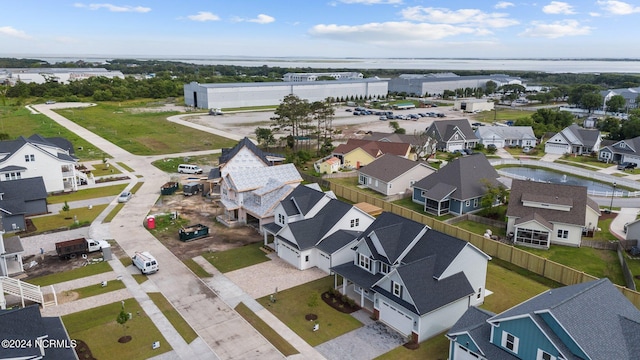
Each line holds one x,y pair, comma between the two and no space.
388,167
301,200
373,148
12,245
434,243
308,232
357,275
465,174
586,311
414,140
394,234
543,192
59,142
446,128
337,240
23,189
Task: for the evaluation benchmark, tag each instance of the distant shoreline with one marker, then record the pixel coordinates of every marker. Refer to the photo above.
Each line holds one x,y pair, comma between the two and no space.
547,65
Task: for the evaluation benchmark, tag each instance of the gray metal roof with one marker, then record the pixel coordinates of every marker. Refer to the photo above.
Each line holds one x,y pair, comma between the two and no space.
465,174
389,167
586,312
292,83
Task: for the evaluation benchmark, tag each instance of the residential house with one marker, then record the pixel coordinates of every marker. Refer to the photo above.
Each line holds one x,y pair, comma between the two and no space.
246,155
457,187
47,336
37,156
540,214
631,96
420,143
416,280
391,174
357,153
329,166
312,228
20,199
11,251
452,135
506,136
574,140
632,230
250,195
591,320
627,150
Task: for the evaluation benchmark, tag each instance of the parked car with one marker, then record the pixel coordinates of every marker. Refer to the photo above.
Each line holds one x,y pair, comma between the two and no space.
124,197
627,165
526,149
383,117
50,102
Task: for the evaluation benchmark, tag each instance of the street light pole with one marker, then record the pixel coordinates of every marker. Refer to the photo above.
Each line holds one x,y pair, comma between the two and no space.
612,192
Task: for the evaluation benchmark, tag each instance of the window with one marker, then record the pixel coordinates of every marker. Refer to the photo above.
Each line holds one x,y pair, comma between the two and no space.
467,203
364,262
363,180
479,293
563,234
355,222
280,218
475,203
28,158
510,342
13,176
306,258
533,237
384,268
396,288
543,355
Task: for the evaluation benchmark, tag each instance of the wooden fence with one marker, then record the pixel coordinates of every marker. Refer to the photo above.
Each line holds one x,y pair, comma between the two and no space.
536,264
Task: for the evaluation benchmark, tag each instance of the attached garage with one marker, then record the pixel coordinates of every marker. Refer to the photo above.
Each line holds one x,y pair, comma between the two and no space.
558,149
460,353
393,316
324,262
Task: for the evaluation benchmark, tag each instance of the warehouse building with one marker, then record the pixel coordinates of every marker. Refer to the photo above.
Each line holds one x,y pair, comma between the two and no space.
473,105
61,75
344,75
435,84
235,95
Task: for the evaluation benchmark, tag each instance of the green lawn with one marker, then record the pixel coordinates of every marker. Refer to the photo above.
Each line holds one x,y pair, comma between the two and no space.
113,213
480,229
143,133
581,161
435,348
174,317
292,306
263,328
78,273
170,165
85,194
97,289
501,114
103,170
66,219
196,268
17,121
409,204
598,263
237,258
98,328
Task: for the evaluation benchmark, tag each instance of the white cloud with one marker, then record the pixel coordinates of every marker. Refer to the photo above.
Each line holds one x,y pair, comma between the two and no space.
379,33
372,2
558,7
114,8
503,5
615,7
462,16
556,29
204,16
595,14
262,19
13,32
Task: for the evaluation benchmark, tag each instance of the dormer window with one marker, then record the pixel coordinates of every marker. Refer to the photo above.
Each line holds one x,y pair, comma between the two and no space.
364,262
384,268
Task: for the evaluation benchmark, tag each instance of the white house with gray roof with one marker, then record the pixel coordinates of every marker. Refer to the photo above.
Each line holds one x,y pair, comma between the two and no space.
392,174
249,196
541,214
452,135
591,320
312,228
36,156
574,140
627,150
506,136
415,279
631,96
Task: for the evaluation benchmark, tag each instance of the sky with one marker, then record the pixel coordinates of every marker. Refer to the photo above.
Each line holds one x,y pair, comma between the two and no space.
317,28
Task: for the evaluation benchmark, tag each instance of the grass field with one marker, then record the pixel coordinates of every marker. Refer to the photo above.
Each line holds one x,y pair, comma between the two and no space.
292,306
98,328
78,273
501,114
143,133
170,165
64,219
17,121
97,289
85,194
237,258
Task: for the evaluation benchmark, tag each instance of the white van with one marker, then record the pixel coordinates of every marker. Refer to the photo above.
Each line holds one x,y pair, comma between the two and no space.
189,169
145,262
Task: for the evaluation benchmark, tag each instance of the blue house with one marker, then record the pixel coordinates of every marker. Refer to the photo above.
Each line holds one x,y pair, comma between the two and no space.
591,320
457,187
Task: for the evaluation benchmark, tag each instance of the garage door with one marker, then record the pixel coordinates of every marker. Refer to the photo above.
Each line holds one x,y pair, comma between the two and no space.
324,262
454,147
555,149
394,317
461,353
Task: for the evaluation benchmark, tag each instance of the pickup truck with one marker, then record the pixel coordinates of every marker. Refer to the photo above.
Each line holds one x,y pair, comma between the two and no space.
72,248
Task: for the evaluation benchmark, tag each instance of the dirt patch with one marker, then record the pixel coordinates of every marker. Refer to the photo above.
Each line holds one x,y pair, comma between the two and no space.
200,210
67,296
83,351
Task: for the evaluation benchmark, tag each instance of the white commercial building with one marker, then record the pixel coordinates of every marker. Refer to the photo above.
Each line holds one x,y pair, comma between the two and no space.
473,105
436,83
345,75
235,95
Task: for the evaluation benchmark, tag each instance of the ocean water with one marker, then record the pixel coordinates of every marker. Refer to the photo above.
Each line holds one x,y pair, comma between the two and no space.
440,64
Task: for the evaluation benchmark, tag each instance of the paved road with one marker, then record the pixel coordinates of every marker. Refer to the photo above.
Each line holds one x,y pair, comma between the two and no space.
227,335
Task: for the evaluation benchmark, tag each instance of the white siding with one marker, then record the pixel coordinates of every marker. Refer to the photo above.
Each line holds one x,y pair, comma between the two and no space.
45,165
441,319
474,265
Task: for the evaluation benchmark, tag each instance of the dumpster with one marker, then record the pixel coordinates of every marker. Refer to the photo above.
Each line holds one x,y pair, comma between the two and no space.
193,232
169,188
151,222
